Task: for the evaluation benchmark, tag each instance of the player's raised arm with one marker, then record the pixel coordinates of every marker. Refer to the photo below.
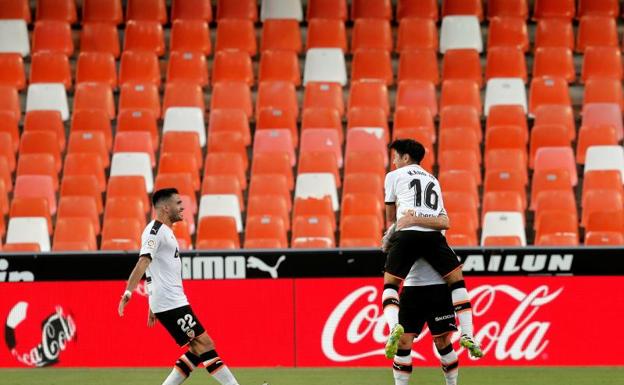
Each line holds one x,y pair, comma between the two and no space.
133,281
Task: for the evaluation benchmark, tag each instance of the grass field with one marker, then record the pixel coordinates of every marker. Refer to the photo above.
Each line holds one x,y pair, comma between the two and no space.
351,376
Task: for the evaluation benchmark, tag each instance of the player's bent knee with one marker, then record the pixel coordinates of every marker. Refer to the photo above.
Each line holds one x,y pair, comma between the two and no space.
442,340
407,340
454,276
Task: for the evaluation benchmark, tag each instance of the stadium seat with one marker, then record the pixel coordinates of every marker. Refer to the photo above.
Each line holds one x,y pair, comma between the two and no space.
187,67
460,93
543,91
319,162
221,205
362,140
139,67
15,37
372,65
362,204
605,62
497,224
15,9
556,115
52,36
460,160
462,64
139,120
363,183
182,142
505,62
323,95
214,231
232,66
596,31
502,241
370,94
407,117
281,35
231,95
4,199
322,207
9,126
327,9
273,206
275,141
230,120
28,230
460,32
86,164
83,185
132,163
182,234
559,9
419,65
328,118
50,67
505,91
13,74
9,101
46,121
191,10
417,34
503,201
102,11
427,9
180,163
128,186
603,238
96,67
150,10
186,119
121,234
281,9
100,37
36,186
607,114
92,142
190,36
605,221
594,201
237,9
146,36
325,65
95,96
459,140
504,8
373,34
275,118
507,115
78,207
556,157
604,158
505,137
47,96
226,164
365,162
548,135
505,181
460,181
549,180
560,236
605,8
125,207
594,136
279,66
31,207
507,160
265,232
602,180
236,35
312,232
554,33
371,9
510,32
554,62
326,33
278,95
136,141
6,174
603,90
223,184
360,231
269,163
317,185
371,119
463,232
40,142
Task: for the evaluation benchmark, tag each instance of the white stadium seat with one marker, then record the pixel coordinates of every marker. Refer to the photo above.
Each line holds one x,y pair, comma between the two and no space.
133,163
186,119
29,230
460,32
221,205
317,185
47,96
14,37
503,223
281,9
325,65
605,158
504,91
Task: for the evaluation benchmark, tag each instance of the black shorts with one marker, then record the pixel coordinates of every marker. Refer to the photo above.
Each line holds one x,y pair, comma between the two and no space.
409,245
431,304
181,323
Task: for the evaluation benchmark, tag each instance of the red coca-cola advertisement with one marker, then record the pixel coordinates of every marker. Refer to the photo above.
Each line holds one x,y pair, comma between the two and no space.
305,322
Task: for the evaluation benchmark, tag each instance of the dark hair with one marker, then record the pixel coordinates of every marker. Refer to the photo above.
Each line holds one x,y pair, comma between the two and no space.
414,149
163,194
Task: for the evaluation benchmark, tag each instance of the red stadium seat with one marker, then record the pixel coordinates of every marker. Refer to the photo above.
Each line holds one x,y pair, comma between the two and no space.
190,36
415,33
139,67
371,9
460,92
460,160
237,35
132,186
279,66
280,95
187,67
135,96
374,34
46,121
74,234
73,207
274,118
327,9
99,37
12,74
97,67
50,67
224,184
15,9
265,231
414,93
550,135
605,8
504,8
79,185
281,35
548,180
324,95
217,233
191,10
604,135
557,9
554,62
544,91
144,36
556,157
32,164
232,66
605,62
232,95
372,66
326,33
237,9
419,65
87,164
31,207
94,96
462,64
312,232
554,33
508,32
128,207
150,10
427,9
102,11
52,36
462,7
461,117
36,186
121,234
596,31
360,231
505,62
226,164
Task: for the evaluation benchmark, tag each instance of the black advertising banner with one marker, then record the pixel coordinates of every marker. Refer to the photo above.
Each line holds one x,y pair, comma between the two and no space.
241,264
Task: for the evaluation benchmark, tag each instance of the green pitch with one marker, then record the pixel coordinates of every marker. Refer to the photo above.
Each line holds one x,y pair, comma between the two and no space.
350,376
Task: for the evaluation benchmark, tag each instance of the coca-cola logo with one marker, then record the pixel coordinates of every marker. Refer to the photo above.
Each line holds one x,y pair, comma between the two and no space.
57,330
357,321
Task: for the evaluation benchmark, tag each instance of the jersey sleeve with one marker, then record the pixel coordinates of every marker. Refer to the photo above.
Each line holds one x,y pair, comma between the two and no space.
390,193
149,245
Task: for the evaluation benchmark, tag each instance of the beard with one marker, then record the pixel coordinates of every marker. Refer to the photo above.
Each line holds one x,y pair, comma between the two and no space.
177,217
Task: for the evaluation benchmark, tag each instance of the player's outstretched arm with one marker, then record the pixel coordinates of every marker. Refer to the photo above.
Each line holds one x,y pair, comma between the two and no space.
133,281
441,222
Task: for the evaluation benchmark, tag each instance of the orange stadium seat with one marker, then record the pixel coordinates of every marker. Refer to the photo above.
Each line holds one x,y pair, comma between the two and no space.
151,10
279,66
602,180
15,9
314,117
275,118
7,150
223,184
182,234
507,160
461,160
596,31
183,95
136,141
556,157
237,9
605,221
180,163
97,67
610,8
603,114
360,231
9,125
74,234
327,9
460,181
232,95
503,201
364,141
12,74
269,229
554,33
362,204
544,91
99,37
369,94
547,135
5,173
508,32
602,200
326,33
88,164
503,8
605,62
230,120
190,36
31,207
319,162
71,207
217,233
281,35
273,206
46,121
427,9
232,66
604,135
459,140
545,180
363,183
226,164
275,141
236,35
554,62
50,67
187,67
4,200
139,67
505,62
371,118
128,186
91,142
94,96
502,241
559,9
228,142
505,181
79,185
127,207
603,90
461,117
324,95
371,9
312,232
463,232
416,34
280,95
102,11
37,142
374,34
372,65
462,7
52,36
121,234
9,100
185,142
602,238
460,92
36,186
142,120
135,96
556,223
507,115
365,162
419,65
144,36
33,164
557,115
273,163
191,10
419,116
306,207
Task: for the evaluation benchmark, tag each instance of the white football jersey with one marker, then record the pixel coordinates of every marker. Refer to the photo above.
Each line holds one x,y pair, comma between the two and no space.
411,187
422,274
164,273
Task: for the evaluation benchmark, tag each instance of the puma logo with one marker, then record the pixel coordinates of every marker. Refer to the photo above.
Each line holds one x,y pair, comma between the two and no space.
257,263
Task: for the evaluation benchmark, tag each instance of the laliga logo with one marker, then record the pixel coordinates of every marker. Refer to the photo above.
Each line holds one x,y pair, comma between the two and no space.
56,331
518,337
